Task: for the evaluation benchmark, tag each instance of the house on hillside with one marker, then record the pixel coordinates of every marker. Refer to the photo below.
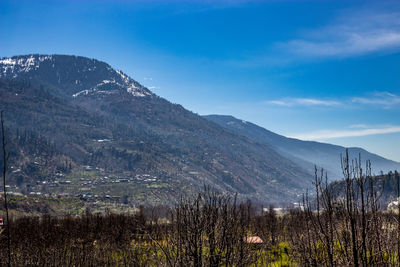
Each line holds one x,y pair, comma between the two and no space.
253,240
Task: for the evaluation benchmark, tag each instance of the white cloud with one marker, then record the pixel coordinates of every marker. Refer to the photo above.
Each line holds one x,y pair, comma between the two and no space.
318,102
329,134
384,99
279,103
354,33
353,44
355,126
289,102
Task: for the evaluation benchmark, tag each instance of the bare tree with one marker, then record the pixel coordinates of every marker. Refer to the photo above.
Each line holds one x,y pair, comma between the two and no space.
397,177
5,159
351,206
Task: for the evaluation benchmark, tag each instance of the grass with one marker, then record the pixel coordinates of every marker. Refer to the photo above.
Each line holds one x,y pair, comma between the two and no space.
36,206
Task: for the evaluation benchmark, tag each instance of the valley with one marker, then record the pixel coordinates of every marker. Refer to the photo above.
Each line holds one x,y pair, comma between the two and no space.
77,127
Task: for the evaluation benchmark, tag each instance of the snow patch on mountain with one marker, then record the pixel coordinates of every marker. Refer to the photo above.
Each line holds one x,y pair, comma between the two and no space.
83,92
116,80
20,64
98,92
127,84
132,87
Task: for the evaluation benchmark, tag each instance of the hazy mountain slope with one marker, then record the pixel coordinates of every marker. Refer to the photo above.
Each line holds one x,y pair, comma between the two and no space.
304,153
77,103
52,133
385,186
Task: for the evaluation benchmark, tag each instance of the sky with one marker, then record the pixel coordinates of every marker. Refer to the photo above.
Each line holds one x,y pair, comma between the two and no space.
315,70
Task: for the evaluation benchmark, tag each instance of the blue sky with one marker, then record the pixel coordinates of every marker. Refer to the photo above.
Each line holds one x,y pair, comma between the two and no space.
316,70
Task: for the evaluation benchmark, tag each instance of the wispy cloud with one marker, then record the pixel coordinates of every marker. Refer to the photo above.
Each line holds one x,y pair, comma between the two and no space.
358,126
354,33
330,134
289,102
384,99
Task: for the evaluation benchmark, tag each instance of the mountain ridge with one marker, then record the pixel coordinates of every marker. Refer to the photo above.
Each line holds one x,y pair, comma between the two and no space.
136,135
311,153
84,83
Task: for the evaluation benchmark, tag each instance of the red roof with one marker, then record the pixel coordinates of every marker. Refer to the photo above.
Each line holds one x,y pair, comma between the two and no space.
253,240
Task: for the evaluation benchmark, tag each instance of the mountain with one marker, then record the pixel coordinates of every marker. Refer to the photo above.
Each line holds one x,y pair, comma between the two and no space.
78,126
70,76
304,153
385,186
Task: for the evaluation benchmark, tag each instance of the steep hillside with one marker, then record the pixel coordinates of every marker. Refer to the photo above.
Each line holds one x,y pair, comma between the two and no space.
70,76
101,120
304,153
385,187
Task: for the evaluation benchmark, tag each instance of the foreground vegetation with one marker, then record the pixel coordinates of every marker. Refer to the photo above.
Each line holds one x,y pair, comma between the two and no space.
208,230
335,228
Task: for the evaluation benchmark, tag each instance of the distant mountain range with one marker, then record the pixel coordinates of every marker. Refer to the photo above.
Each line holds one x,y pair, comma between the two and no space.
77,125
305,153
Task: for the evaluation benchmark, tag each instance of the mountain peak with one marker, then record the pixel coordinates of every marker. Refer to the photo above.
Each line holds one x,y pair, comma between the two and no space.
16,64
77,103
77,76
